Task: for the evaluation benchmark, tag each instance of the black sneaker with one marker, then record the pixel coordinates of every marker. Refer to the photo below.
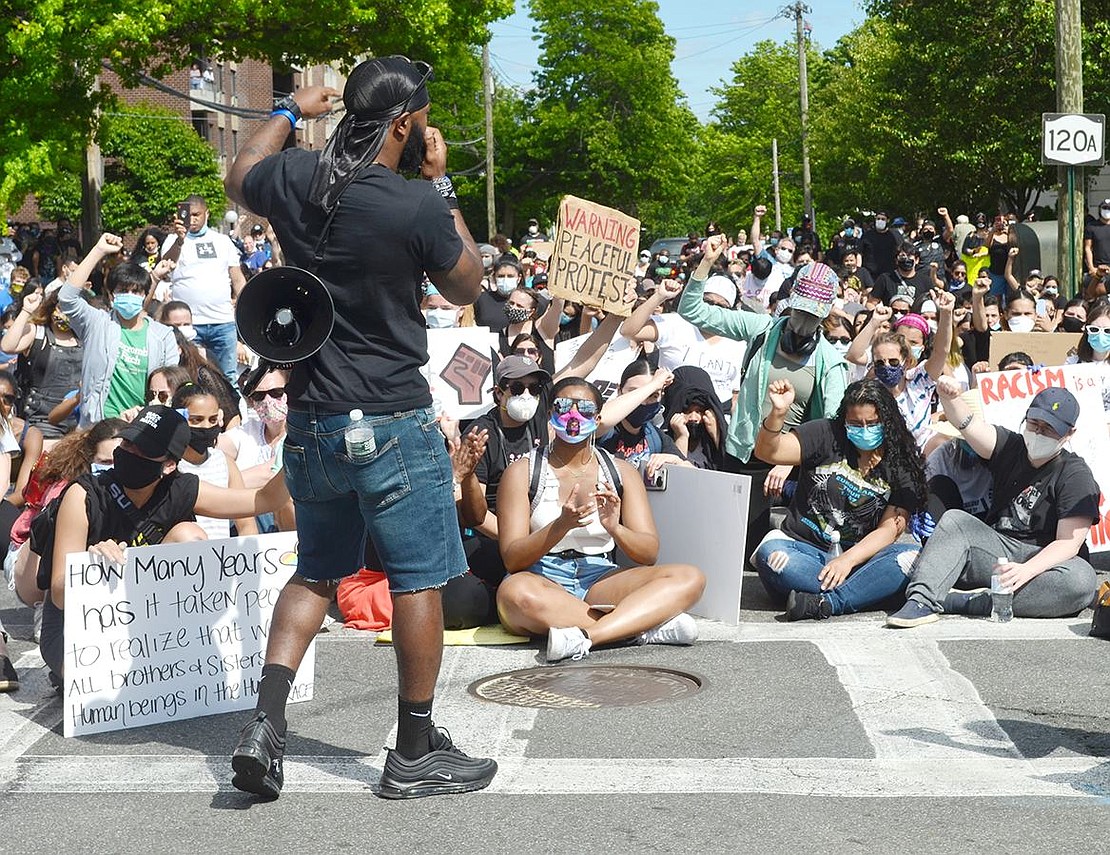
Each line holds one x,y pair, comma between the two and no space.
9,679
801,605
444,769
257,759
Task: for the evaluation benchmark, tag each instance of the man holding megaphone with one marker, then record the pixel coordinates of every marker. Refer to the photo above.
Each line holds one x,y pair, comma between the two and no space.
363,452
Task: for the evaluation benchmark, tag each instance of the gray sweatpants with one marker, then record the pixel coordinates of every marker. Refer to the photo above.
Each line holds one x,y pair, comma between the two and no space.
965,549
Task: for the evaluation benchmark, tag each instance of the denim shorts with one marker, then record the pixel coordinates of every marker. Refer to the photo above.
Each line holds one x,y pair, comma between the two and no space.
576,575
400,496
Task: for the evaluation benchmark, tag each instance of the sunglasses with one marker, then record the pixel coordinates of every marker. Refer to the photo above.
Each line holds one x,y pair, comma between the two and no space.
889,363
840,339
562,406
527,351
518,387
1093,330
258,397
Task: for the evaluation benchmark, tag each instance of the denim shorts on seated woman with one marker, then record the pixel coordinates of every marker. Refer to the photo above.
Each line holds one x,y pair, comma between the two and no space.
400,495
576,575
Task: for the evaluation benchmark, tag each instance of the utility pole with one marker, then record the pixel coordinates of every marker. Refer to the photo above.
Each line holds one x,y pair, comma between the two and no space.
487,92
775,170
1072,196
796,11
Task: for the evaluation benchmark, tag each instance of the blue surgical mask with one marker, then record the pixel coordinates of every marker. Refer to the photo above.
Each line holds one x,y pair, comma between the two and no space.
917,350
127,306
865,438
565,319
1099,341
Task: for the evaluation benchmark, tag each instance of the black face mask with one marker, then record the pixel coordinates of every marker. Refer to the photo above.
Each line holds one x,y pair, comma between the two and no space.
134,472
202,439
795,344
905,264
1072,324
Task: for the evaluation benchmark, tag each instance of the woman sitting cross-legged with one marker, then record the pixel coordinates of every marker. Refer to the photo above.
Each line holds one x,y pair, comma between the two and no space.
561,512
861,477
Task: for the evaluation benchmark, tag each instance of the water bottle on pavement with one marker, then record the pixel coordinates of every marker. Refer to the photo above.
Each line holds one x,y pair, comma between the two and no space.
359,437
1002,598
834,550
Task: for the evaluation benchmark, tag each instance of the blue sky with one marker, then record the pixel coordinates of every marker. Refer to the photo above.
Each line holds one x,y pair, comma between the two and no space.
704,51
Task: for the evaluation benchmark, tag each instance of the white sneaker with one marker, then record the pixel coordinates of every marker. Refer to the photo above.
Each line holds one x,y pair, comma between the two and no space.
680,629
567,643
36,625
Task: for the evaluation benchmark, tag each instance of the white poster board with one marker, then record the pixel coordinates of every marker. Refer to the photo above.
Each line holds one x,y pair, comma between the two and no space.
459,370
177,631
607,375
1006,396
702,519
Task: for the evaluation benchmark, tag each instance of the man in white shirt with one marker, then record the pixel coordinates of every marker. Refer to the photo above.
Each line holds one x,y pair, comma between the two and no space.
207,277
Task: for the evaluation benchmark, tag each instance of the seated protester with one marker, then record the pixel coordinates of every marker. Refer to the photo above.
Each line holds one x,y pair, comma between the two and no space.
694,419
120,348
143,500
1094,346
203,459
526,313
634,437
1044,502
161,386
557,545
956,476
1074,317
439,312
860,477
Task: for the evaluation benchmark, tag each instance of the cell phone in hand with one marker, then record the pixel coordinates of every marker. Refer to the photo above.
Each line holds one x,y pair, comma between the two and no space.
1042,307
183,212
658,481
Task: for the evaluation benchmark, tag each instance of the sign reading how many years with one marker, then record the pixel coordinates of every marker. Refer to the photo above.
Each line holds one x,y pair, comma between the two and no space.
176,631
595,255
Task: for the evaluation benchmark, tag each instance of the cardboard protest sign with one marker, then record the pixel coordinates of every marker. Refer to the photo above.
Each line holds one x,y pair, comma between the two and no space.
459,370
542,248
177,631
1044,348
607,375
1006,396
594,256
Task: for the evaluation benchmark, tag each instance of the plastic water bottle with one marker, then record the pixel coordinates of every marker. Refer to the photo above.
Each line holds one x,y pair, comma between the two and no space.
359,437
1002,598
834,550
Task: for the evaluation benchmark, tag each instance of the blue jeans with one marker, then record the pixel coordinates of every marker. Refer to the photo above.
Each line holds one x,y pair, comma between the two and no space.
219,341
885,575
576,575
400,495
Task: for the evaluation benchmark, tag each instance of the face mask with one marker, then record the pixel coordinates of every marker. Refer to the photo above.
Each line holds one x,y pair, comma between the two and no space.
533,230
1051,291
1098,341
917,350
865,438
889,375
135,472
905,264
438,319
1072,324
784,256
1021,323
932,325
643,414
272,410
927,236
506,284
521,408
572,427
841,347
795,343
202,439
487,261
880,225
127,306
996,326
1040,447
97,468
1104,213
803,323
565,319
188,331
517,315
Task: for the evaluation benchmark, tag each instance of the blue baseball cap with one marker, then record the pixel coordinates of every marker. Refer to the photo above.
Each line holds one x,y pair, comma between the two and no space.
1057,408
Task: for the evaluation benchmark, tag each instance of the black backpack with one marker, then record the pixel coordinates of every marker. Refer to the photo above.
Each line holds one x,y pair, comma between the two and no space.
537,457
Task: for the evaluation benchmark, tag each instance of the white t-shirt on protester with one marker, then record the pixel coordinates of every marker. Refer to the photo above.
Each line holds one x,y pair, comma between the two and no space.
202,277
679,342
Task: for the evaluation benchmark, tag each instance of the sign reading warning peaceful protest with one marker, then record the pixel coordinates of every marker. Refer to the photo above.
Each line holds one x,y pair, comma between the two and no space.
176,631
595,254
1006,396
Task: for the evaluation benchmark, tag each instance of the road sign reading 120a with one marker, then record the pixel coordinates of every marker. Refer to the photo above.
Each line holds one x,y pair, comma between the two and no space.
1073,139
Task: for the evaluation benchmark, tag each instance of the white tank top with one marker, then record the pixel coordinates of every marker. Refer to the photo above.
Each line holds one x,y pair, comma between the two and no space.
592,539
212,471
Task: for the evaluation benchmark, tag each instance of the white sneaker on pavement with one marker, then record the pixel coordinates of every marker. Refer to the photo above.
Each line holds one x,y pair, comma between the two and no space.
567,643
680,629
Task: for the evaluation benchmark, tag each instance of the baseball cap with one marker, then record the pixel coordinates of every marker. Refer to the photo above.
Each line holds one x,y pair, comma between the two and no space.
645,254
899,221
1057,408
158,431
814,289
722,286
515,367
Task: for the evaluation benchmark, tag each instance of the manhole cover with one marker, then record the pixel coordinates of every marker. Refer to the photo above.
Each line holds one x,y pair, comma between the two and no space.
586,686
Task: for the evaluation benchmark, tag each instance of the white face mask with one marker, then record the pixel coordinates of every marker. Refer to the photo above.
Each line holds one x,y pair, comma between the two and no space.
784,256
932,325
1104,213
1040,447
880,224
1022,323
439,319
506,284
521,407
841,347
189,331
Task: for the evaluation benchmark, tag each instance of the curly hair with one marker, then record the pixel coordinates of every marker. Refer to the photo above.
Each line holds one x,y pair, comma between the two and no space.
901,456
74,453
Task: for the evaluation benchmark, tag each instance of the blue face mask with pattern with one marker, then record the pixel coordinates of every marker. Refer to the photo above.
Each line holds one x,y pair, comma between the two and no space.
865,438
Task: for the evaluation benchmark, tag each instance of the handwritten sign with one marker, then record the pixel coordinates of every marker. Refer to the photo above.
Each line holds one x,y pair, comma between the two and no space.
1006,396
459,370
594,256
1043,348
177,631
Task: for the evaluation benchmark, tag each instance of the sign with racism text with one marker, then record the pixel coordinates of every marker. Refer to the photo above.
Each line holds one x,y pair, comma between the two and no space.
176,631
595,254
1006,396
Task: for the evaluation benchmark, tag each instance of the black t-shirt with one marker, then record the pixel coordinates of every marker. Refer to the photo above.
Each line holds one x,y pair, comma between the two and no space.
388,231
832,494
1098,234
890,285
860,280
879,249
998,253
489,311
637,447
1029,502
505,445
